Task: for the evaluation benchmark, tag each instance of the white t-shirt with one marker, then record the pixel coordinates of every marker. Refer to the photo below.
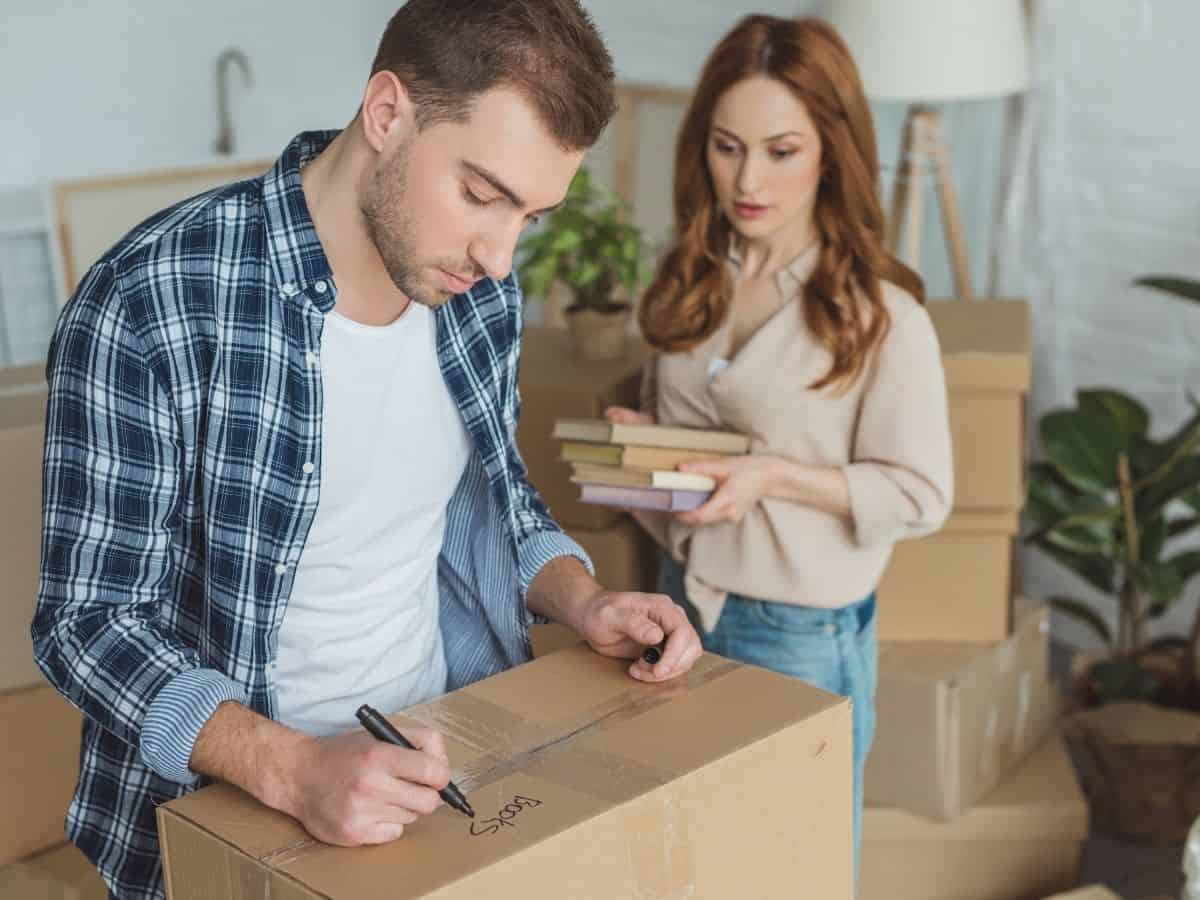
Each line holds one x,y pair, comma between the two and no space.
361,625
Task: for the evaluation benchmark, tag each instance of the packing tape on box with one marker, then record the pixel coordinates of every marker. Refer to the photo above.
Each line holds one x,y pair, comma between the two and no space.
656,836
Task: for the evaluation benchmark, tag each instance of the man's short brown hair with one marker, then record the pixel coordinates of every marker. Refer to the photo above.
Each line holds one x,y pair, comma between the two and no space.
447,52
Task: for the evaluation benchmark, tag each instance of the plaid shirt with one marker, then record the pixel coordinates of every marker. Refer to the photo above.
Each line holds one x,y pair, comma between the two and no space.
185,401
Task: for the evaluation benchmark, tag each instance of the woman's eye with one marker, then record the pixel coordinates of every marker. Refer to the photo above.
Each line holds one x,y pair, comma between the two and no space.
725,149
782,153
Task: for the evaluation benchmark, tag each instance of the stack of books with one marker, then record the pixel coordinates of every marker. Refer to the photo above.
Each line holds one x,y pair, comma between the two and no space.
634,466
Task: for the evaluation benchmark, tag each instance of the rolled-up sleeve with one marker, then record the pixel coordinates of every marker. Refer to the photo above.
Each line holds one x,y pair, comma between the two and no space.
111,497
901,472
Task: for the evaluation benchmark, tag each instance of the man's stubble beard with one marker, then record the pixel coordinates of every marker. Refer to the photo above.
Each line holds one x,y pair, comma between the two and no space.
390,227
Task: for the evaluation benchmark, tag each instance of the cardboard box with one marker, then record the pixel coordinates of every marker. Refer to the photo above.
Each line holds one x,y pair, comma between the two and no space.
1022,842
951,586
987,357
732,782
22,436
59,874
625,556
556,384
39,765
953,719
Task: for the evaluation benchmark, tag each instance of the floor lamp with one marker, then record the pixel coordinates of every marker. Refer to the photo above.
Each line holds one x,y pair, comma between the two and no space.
927,53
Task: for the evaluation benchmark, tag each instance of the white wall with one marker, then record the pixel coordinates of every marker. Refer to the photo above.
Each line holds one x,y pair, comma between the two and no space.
1117,174
88,88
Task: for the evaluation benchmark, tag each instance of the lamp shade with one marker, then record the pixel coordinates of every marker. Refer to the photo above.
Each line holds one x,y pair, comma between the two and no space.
932,51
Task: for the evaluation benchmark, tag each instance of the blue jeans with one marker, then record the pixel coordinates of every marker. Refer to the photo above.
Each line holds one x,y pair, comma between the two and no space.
832,649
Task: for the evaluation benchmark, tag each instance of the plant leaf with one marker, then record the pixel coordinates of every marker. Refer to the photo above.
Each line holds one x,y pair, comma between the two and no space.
1126,414
1081,612
1048,496
1181,481
1184,564
1153,537
1083,447
1172,284
1178,527
1159,580
1097,570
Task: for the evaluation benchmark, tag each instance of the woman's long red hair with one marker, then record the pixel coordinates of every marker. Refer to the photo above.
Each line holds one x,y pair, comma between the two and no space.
843,306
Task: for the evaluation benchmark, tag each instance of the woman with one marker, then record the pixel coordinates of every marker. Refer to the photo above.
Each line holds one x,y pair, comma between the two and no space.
779,314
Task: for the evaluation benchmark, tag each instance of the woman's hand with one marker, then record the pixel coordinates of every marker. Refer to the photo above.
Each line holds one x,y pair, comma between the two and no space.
741,482
622,415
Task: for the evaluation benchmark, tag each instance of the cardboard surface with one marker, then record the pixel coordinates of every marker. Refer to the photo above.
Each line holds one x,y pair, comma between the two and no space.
587,784
954,719
39,765
555,384
625,556
1022,841
63,873
986,352
954,585
22,435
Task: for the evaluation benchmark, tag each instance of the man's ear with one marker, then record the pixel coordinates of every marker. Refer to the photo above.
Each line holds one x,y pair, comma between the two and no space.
386,107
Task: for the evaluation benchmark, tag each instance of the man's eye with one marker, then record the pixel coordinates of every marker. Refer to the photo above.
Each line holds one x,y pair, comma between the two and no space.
534,220
474,198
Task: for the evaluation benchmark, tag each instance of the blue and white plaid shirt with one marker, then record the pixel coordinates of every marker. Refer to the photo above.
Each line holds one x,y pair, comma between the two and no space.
185,401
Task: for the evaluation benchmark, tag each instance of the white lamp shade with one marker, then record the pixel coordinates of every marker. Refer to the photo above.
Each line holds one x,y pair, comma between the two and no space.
932,51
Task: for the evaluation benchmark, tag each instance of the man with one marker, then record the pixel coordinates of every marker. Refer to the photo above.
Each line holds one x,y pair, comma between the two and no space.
281,476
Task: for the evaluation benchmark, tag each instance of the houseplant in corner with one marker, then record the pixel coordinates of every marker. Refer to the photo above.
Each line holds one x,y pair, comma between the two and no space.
1110,503
588,247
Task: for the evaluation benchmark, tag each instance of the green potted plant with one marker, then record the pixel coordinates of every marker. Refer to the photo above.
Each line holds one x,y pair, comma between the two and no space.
1110,503
589,250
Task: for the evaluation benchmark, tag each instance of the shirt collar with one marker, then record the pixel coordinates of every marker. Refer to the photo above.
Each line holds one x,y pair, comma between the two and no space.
298,261
790,278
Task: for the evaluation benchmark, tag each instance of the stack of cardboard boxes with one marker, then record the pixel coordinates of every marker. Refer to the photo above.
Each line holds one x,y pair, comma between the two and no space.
557,384
40,750
970,793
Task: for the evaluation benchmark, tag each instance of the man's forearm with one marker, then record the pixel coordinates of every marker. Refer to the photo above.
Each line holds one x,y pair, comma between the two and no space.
560,591
239,746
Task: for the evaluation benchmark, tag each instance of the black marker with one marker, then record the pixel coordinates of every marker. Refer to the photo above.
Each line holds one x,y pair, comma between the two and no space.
654,654
382,729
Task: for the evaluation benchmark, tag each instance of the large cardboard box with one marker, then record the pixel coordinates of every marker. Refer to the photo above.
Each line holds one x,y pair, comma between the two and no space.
556,384
624,555
987,358
731,782
1020,843
953,719
22,433
59,874
39,765
955,585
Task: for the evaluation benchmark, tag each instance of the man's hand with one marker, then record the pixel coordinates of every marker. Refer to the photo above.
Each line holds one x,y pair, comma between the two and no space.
353,789
623,624
349,789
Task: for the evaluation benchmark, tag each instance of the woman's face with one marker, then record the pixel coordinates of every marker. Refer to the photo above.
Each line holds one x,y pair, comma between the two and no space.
764,156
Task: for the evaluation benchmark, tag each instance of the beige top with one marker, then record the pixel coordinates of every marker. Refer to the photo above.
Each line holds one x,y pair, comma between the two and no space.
889,433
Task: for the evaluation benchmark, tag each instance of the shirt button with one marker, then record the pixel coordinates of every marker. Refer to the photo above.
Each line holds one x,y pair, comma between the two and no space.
321,286
831,629
289,288
308,468
280,569
310,358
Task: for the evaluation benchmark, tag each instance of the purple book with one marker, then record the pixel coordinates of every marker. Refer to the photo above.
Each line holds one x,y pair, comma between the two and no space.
642,497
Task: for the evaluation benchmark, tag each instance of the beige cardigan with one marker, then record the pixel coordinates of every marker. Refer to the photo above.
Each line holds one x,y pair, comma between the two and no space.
889,433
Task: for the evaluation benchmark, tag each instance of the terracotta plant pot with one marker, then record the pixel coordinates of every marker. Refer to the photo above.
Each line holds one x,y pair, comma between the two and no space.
1140,768
599,334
